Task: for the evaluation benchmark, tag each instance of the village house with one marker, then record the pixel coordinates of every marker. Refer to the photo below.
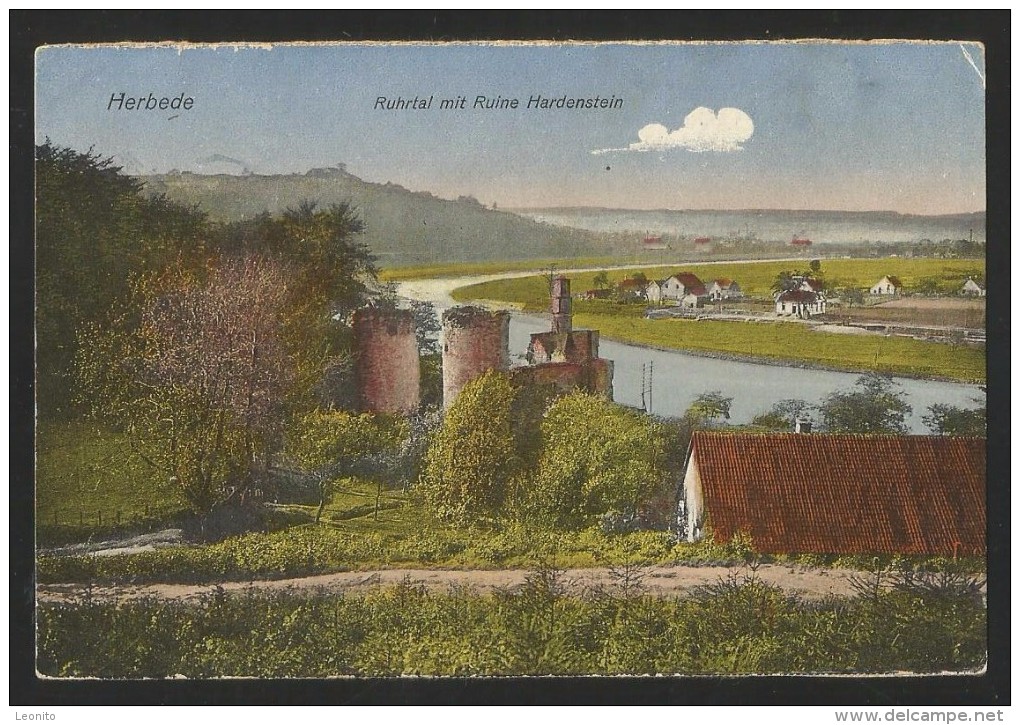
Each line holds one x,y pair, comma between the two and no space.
724,289
653,292
808,284
972,288
800,303
888,285
631,289
597,294
682,284
836,494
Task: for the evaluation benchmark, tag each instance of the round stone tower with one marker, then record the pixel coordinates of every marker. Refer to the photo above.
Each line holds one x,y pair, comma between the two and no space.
387,367
475,341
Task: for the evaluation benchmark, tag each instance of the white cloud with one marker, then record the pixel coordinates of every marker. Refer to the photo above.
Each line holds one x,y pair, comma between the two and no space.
703,130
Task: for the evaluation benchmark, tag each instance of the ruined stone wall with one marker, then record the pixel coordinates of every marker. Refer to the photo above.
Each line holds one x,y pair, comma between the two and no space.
594,376
388,373
577,346
475,341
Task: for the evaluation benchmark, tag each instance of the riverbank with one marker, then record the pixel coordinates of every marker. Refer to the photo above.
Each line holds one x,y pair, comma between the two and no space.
788,344
776,362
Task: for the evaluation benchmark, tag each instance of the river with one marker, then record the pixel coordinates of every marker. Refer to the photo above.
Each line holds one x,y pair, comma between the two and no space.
678,378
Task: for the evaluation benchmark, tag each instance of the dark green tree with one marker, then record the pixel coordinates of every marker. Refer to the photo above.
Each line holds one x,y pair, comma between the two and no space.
783,415
94,231
851,296
873,406
951,420
708,409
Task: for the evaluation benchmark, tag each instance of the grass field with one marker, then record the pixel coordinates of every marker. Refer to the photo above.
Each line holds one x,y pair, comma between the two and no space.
754,278
771,341
796,342
90,484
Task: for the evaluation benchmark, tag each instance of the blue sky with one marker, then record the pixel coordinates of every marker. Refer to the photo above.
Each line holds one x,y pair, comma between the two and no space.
810,125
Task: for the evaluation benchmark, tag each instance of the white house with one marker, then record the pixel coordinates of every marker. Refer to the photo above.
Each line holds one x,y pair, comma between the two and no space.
691,301
682,284
887,286
723,289
800,303
972,288
653,292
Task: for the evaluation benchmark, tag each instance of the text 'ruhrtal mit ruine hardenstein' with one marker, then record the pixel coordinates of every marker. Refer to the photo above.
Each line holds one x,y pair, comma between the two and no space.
535,102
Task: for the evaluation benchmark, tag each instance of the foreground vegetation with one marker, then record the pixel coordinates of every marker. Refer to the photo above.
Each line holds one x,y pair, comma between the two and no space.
740,625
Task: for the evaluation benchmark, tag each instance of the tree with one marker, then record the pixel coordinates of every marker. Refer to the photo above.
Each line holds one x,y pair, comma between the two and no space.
784,281
708,409
596,458
851,296
783,415
816,266
927,286
601,280
320,248
331,443
198,373
472,460
426,327
94,231
873,406
951,420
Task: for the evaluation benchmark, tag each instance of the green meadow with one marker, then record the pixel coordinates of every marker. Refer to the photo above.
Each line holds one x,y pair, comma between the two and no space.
771,341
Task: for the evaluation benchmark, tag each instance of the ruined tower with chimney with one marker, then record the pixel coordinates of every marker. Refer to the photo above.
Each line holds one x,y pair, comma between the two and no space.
566,358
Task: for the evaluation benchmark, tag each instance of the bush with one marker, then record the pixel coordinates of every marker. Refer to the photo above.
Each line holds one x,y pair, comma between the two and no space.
597,458
472,460
738,625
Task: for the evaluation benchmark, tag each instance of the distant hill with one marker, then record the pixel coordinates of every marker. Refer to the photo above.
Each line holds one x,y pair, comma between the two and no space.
402,227
773,225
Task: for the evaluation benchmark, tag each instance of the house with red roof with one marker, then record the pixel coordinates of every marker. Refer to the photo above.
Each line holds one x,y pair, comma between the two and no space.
800,303
724,289
836,494
631,289
683,284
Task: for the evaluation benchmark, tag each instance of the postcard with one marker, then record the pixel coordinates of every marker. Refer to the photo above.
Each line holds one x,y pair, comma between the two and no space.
510,359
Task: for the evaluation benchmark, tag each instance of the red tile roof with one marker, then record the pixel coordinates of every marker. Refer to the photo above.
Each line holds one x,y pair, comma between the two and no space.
851,494
797,295
895,281
691,283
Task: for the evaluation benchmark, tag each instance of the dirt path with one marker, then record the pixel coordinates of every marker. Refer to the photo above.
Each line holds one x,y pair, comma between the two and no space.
660,580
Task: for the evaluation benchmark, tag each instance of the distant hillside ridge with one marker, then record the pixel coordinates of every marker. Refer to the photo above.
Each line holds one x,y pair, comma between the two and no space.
402,226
